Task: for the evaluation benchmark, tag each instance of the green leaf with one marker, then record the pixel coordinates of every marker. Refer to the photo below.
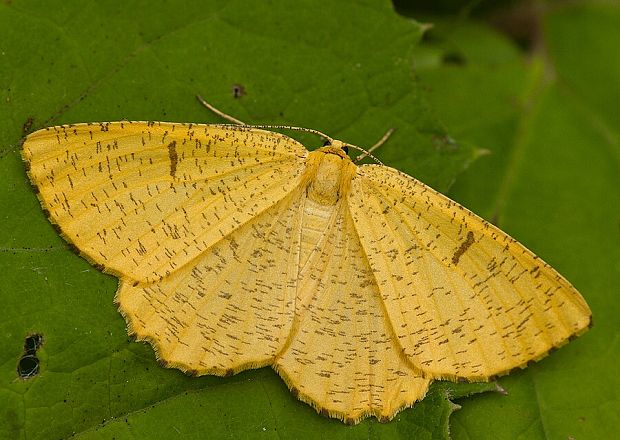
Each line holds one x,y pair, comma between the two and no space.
551,180
550,127
340,67
284,418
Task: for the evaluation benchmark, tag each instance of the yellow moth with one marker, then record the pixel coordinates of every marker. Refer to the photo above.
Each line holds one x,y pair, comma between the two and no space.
237,248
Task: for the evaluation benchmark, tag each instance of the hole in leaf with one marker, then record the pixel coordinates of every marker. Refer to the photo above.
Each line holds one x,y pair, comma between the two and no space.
32,343
28,365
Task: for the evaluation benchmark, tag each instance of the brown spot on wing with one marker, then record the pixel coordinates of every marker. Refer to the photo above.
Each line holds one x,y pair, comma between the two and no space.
174,158
463,247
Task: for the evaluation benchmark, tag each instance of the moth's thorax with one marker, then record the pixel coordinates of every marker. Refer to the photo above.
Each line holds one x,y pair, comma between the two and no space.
329,172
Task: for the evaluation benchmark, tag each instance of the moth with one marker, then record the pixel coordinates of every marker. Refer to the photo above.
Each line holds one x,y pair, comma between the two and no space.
237,248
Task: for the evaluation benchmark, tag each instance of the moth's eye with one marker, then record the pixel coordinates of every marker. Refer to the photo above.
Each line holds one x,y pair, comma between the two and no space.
346,149
326,143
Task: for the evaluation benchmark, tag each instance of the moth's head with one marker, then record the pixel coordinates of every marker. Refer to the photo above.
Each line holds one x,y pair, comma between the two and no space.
339,148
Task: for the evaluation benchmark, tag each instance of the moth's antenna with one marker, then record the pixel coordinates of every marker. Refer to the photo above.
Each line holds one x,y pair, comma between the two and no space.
221,114
289,127
235,121
366,153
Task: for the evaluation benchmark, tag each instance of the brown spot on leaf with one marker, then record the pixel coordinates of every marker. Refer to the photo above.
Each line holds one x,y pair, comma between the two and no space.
54,225
100,267
454,58
28,125
73,248
294,392
238,91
